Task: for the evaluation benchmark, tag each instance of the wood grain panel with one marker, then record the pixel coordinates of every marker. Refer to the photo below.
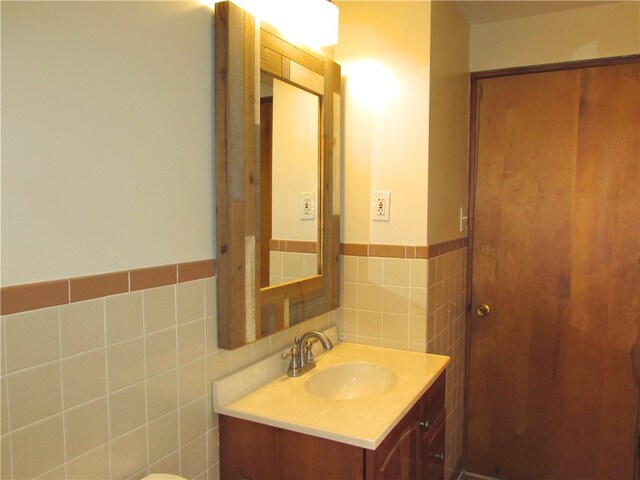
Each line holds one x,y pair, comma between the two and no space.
556,254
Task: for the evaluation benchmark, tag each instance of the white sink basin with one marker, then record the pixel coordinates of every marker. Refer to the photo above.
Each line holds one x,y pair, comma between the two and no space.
351,381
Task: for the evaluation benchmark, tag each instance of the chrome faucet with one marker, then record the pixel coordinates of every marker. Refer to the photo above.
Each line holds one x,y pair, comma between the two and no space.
301,353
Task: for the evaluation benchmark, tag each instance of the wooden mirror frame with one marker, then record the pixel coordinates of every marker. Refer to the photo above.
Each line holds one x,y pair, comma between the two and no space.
243,307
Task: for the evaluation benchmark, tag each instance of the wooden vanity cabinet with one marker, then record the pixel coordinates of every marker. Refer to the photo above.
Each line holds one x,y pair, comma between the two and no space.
414,449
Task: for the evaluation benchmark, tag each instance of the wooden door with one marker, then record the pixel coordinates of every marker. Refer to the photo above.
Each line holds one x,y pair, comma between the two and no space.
556,256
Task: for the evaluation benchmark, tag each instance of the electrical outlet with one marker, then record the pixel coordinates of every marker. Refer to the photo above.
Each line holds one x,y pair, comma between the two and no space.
380,206
307,205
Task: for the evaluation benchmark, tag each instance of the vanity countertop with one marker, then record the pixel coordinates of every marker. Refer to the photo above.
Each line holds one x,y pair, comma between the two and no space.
285,403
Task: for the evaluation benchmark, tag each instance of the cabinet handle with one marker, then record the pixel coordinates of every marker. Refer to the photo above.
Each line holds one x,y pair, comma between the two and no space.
425,425
439,456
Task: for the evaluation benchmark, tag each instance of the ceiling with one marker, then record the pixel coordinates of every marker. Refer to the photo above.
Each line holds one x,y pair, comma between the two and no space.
480,11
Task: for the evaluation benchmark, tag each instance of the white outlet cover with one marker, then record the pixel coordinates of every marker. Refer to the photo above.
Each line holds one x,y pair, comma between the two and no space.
307,205
380,206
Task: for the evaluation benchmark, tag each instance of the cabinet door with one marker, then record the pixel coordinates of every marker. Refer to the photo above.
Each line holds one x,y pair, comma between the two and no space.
434,451
397,457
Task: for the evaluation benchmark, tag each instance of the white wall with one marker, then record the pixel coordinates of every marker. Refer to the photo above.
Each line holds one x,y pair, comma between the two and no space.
384,53
448,123
106,137
592,32
294,160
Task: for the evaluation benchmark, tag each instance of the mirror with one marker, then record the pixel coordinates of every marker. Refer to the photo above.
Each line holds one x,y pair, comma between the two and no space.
276,265
289,171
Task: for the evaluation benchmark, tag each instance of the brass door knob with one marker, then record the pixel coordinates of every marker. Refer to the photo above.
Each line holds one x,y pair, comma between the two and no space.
483,310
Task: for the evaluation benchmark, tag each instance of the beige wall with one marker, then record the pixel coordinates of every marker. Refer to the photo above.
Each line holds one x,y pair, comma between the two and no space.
592,32
448,123
294,160
385,137
106,137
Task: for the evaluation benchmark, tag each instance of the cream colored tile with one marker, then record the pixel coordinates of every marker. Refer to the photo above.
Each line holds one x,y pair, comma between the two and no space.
212,418
397,344
123,317
127,409
417,329
213,439
159,308
190,342
440,268
292,265
240,357
349,269
55,474
160,350
86,427
5,458
370,324
395,299
84,377
431,299
310,264
419,273
374,341
369,297
193,420
279,341
217,365
125,363
349,295
260,349
168,464
210,297
34,394
37,329
129,453
433,271
397,272
162,435
418,301
162,394
395,327
191,381
275,263
37,448
4,407
370,270
82,326
190,301
211,334
93,465
214,472
193,457
349,321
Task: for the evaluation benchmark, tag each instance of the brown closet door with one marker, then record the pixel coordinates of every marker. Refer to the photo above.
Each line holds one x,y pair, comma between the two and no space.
556,256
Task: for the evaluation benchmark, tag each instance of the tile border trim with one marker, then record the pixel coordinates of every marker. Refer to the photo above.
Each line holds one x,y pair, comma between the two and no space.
292,246
403,251
34,296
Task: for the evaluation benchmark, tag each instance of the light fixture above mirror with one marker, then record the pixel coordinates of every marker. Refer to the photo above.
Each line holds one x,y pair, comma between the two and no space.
313,23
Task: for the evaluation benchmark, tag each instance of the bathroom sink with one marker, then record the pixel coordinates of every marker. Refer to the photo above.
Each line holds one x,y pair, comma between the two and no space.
351,381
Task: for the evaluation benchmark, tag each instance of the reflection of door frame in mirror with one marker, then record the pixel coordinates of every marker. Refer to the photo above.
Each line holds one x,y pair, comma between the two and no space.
245,311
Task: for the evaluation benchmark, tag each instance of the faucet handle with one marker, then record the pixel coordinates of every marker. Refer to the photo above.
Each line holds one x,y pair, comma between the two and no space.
308,350
294,353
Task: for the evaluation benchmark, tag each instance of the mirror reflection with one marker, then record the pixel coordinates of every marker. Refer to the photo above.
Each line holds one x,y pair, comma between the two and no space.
289,172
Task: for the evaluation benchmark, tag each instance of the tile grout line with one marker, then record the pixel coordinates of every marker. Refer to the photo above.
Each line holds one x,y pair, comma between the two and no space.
62,414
